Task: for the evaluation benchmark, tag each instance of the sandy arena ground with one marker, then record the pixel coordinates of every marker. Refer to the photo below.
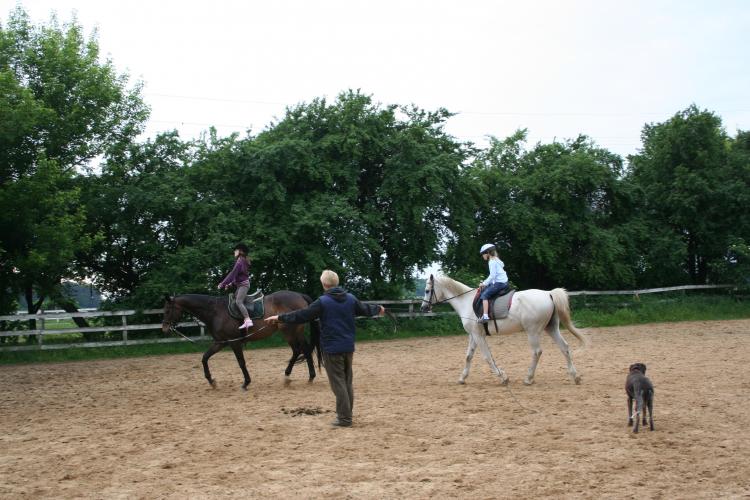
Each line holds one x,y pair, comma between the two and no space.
153,428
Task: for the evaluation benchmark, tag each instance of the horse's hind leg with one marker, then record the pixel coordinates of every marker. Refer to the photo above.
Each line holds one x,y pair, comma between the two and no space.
308,350
213,349
240,355
536,353
553,329
293,359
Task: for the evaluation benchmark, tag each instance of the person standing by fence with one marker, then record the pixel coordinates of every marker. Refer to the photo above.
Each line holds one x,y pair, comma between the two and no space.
337,310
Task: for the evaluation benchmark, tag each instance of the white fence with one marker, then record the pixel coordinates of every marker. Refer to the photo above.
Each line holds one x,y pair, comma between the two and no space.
46,322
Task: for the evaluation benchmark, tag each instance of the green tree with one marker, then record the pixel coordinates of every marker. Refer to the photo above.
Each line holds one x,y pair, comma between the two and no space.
350,185
143,209
694,197
60,108
735,267
558,214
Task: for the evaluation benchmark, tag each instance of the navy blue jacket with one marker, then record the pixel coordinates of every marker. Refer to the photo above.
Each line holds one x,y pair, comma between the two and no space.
336,309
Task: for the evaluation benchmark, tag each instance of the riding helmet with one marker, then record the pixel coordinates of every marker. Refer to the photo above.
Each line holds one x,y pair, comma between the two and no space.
242,248
486,247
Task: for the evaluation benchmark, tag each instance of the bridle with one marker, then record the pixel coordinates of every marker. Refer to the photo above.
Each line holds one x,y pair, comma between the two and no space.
433,302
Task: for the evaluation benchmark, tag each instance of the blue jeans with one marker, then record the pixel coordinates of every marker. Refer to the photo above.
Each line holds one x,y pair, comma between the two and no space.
492,290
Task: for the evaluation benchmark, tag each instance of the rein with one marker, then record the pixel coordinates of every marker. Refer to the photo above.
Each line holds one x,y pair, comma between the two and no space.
175,330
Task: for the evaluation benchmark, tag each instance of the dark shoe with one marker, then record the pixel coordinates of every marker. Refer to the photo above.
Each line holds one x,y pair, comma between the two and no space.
340,423
483,320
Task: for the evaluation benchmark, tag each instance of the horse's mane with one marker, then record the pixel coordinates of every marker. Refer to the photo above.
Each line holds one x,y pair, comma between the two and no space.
452,286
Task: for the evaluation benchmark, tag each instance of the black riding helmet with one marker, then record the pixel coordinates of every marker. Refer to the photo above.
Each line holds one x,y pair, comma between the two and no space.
242,248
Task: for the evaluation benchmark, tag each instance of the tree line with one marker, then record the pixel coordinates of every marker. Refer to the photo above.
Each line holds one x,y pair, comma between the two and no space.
374,191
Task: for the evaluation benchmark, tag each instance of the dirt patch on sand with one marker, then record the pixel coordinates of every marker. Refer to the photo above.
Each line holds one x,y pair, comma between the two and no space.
153,428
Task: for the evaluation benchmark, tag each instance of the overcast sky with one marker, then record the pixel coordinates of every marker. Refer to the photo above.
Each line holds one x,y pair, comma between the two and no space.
558,68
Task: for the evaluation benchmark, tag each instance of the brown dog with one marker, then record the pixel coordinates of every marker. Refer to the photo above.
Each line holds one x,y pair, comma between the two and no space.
640,389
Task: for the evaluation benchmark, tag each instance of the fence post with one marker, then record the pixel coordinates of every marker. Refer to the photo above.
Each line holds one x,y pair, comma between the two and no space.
41,333
124,332
411,310
203,332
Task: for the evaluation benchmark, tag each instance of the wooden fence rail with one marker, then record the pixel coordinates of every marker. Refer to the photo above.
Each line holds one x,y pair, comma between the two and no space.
411,310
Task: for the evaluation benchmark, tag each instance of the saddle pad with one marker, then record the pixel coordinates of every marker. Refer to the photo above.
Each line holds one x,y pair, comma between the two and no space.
499,305
502,305
253,304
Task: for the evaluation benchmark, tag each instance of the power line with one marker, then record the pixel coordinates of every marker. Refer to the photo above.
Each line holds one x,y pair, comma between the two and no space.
465,112
218,99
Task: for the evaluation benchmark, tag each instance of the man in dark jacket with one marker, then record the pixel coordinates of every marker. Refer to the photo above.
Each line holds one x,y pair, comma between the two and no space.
337,310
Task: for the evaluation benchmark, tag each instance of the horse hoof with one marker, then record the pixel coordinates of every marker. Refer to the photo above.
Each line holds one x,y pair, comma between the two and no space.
213,384
310,381
577,380
505,381
461,381
287,380
528,382
244,387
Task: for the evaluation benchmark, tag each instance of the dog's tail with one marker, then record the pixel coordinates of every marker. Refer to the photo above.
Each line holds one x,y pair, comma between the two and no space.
562,307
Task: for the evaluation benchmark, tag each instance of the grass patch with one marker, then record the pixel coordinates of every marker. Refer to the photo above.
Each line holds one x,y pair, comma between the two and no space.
662,308
589,311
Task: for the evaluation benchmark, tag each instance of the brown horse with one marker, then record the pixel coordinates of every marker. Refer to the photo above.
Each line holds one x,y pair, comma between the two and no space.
213,312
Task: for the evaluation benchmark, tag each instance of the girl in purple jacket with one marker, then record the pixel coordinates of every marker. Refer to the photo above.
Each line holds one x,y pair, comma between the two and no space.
240,277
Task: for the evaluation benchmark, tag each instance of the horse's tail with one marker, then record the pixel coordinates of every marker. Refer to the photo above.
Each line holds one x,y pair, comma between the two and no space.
314,333
562,307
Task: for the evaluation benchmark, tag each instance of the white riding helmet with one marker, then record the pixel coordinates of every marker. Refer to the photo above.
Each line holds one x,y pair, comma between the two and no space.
485,247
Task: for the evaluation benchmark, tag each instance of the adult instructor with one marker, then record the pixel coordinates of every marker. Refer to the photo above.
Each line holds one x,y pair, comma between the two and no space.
337,310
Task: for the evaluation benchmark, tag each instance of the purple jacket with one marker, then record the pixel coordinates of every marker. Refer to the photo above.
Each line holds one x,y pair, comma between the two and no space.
239,274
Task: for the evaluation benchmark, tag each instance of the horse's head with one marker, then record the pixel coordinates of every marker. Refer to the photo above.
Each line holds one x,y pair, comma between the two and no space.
429,295
172,313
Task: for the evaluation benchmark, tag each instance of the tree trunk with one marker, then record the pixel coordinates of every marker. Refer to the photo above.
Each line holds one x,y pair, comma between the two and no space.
69,306
32,308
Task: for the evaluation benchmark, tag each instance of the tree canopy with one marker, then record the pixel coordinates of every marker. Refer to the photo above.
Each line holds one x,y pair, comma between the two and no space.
60,107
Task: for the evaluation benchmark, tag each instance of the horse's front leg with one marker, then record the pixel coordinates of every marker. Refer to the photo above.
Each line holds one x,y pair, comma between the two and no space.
213,349
481,341
469,355
240,355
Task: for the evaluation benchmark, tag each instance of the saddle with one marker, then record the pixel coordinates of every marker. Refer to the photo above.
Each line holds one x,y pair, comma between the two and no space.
499,306
253,304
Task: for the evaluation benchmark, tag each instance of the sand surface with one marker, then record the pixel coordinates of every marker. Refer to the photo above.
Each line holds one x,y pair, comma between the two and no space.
153,427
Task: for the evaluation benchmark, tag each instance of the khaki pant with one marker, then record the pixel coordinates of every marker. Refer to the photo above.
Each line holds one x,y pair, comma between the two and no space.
339,370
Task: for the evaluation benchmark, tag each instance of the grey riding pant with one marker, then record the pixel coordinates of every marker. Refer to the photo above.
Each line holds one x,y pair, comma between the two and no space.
240,298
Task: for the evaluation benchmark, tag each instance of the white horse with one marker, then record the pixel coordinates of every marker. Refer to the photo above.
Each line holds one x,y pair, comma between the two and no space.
531,311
